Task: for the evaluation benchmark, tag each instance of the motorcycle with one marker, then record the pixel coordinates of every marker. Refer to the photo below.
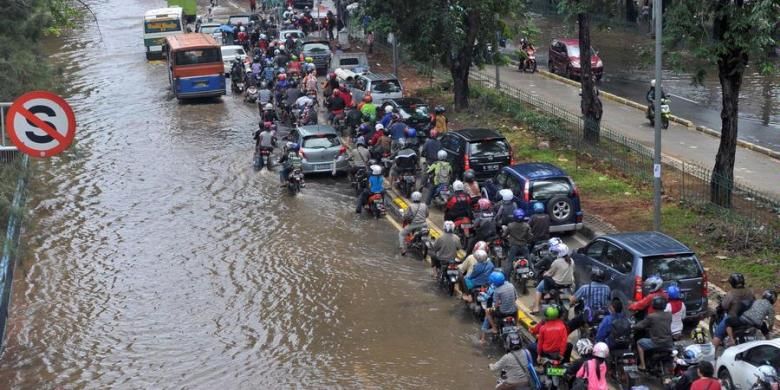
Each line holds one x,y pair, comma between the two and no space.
406,164
448,275
666,113
624,368
419,240
497,251
476,306
592,320
444,195
742,334
262,158
358,178
463,230
250,94
387,163
509,332
295,181
523,272
529,63
553,371
376,205
558,296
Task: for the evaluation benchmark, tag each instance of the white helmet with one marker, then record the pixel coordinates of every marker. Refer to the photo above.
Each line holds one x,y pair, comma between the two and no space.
601,350
480,255
560,250
480,245
457,185
388,109
379,126
376,170
263,36
268,106
652,83
416,196
584,347
441,155
767,374
506,194
449,226
281,47
289,8
554,241
276,52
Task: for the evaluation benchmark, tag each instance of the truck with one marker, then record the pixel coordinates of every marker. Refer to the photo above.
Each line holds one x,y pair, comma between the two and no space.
189,8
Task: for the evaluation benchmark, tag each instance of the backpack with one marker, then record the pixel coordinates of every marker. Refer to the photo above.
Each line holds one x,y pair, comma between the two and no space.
621,332
443,173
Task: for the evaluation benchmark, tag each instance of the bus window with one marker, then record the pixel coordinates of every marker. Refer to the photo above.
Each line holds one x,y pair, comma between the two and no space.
199,56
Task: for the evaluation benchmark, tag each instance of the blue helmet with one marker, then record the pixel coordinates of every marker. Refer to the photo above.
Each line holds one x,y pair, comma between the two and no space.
538,207
673,292
411,132
294,147
364,128
518,215
497,278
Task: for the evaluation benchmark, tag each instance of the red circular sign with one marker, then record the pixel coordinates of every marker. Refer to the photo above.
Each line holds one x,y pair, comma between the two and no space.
40,124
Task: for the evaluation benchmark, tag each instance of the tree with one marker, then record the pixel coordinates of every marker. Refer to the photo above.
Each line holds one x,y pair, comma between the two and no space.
454,32
724,33
590,104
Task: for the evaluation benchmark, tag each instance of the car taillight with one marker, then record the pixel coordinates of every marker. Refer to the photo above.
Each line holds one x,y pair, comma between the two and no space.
575,193
523,262
342,150
638,288
302,154
466,164
704,284
579,218
527,192
512,160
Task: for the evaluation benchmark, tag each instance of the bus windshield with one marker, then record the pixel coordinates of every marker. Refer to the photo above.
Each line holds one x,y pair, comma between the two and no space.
197,56
162,26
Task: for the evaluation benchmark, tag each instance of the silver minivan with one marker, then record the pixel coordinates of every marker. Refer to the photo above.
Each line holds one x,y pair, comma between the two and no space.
382,86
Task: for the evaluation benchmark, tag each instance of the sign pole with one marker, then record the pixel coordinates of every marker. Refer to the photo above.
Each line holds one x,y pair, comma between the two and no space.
657,103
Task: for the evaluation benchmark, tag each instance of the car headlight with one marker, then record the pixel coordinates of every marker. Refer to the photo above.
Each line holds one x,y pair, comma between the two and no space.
575,63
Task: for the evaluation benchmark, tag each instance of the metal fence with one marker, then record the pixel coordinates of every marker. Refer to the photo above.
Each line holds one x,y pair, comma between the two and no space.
11,238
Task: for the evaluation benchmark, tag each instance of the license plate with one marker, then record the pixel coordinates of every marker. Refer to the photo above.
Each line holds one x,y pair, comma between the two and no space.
322,166
523,270
466,226
492,167
555,371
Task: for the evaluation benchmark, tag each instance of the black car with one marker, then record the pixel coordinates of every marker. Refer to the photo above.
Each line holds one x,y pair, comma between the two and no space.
319,51
483,150
414,111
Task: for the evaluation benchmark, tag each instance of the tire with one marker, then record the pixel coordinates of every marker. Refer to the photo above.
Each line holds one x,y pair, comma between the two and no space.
450,288
533,68
725,379
423,252
560,209
550,67
570,73
522,285
665,123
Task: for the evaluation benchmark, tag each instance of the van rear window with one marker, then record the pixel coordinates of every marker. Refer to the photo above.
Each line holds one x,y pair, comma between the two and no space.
548,188
672,267
494,147
349,61
386,86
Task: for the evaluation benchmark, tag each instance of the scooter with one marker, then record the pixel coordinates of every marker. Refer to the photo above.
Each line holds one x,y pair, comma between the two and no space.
443,196
376,205
262,158
448,275
463,230
666,113
553,371
523,272
295,181
250,95
419,241
529,63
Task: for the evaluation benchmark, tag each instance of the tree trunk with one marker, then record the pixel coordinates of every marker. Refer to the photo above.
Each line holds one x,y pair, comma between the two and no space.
460,85
461,63
590,104
631,12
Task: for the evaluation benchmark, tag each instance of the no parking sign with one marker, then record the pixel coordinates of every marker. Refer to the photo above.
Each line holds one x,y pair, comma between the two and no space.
41,124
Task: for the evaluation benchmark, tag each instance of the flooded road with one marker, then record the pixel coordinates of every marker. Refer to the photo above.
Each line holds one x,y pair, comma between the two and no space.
155,257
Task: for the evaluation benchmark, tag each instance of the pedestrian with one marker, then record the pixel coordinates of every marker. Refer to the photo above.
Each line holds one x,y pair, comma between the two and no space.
252,6
331,24
706,381
370,41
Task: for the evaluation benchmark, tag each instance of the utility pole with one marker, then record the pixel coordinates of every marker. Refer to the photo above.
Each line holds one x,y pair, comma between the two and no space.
658,8
496,52
395,55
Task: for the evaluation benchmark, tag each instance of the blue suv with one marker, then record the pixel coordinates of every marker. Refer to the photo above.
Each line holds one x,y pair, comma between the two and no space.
540,182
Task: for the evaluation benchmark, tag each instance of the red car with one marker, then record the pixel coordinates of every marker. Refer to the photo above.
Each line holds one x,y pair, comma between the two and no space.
564,58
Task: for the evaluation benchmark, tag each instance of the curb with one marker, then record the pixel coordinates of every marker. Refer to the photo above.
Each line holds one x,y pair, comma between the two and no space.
685,122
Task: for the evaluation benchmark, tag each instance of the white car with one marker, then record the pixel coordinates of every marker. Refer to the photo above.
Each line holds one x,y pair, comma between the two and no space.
738,366
230,53
296,34
211,29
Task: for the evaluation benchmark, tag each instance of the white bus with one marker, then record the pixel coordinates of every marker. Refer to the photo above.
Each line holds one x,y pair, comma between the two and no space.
158,24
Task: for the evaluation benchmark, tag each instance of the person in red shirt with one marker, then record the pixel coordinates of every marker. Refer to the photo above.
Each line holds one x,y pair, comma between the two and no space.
551,336
346,95
706,381
653,285
378,133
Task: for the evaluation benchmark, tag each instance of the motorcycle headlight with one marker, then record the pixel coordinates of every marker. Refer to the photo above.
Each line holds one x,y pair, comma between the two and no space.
575,63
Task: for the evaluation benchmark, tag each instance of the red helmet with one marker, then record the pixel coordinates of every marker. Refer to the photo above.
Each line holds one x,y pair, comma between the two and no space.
268,124
282,76
434,133
331,75
484,204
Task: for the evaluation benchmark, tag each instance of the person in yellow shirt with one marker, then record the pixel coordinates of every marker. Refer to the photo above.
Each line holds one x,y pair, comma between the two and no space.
438,120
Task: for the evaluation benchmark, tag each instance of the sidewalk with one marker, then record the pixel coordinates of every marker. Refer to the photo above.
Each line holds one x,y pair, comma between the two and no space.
756,170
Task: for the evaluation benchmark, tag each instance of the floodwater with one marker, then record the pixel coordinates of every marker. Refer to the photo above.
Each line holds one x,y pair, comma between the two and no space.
156,257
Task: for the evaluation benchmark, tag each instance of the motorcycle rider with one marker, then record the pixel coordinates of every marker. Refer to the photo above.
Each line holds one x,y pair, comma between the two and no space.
439,120
551,336
459,204
382,143
760,315
504,303
595,296
336,105
480,271
416,215
439,174
290,160
676,306
653,286
264,95
269,114
615,328
560,274
387,117
539,223
659,327
650,97
515,365
706,381
734,303
506,209
445,248
368,108
398,134
431,147
375,186
526,48
484,224
467,265
264,138
584,348
595,370
472,187
518,236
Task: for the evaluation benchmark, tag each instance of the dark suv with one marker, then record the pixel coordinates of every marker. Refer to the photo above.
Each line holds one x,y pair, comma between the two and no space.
483,150
540,182
413,111
629,258
319,51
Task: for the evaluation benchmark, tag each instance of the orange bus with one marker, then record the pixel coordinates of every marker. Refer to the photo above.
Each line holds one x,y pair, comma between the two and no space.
195,67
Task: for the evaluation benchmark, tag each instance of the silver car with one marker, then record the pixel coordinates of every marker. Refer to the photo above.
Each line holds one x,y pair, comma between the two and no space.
320,148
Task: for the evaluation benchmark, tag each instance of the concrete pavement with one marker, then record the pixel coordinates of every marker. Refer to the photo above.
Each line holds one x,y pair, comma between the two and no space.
753,169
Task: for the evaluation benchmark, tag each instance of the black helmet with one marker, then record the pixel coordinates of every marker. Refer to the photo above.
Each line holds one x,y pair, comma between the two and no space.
256,59
439,109
770,296
737,280
597,274
659,302
468,175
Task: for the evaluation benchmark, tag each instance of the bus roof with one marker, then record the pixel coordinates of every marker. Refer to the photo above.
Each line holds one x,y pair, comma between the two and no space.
163,12
191,41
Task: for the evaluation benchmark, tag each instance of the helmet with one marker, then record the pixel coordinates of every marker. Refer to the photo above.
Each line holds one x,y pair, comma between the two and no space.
309,60
388,109
518,215
433,133
554,241
652,83
411,132
692,354
480,245
653,283
379,126
468,176
551,312
673,291
767,373
496,278
439,109
376,170
601,350
659,302
331,75
293,146
698,336
364,128
770,296
737,280
480,255
560,250
255,59
289,8
506,195
441,155
538,207
449,226
457,185
282,76
263,36
367,98
268,106
360,141
276,52
597,274
416,196
584,347
484,204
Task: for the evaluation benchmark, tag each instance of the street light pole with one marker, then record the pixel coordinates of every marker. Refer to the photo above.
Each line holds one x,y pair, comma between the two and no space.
496,51
658,8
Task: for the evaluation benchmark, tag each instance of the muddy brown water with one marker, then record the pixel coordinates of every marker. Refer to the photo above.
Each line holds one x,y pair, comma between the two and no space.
155,257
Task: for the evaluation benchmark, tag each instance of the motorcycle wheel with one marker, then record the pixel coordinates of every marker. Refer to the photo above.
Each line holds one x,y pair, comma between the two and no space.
450,288
665,123
522,285
533,67
258,163
423,252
